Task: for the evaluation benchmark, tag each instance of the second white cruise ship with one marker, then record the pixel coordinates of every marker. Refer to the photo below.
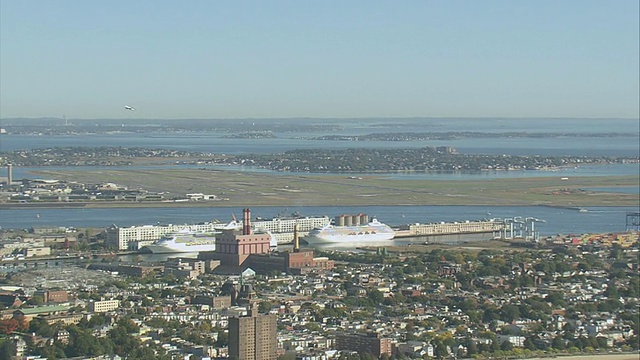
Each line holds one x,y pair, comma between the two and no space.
373,231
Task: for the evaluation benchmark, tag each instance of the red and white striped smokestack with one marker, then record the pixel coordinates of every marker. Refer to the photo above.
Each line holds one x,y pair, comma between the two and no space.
246,222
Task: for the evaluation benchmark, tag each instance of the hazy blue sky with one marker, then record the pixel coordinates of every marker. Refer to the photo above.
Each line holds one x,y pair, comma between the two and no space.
227,59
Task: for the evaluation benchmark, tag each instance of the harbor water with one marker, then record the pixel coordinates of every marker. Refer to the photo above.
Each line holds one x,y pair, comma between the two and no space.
553,220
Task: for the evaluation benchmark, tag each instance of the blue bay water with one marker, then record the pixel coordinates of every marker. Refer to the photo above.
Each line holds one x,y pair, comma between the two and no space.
587,146
216,143
556,220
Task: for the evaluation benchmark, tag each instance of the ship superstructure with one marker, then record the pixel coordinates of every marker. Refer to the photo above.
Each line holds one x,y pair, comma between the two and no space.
183,241
360,232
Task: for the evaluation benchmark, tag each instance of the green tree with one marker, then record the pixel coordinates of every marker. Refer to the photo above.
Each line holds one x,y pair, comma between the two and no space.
529,344
509,313
82,343
616,252
472,348
264,307
313,326
506,346
41,327
7,349
612,291
146,353
123,342
289,355
36,300
556,298
441,351
568,328
52,352
223,338
558,343
376,296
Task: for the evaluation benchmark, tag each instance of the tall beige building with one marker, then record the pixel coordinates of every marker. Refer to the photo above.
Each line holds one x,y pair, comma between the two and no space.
253,337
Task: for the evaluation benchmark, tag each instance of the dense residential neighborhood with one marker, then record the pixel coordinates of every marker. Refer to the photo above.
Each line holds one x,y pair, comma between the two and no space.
441,158
565,295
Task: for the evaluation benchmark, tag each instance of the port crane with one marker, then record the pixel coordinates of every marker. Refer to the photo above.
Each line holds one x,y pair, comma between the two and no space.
521,228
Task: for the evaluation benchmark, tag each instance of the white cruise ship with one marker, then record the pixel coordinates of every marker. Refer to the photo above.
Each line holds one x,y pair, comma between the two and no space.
183,241
373,231
188,240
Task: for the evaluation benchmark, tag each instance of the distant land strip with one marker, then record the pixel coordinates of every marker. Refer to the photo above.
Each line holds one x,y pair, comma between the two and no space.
308,161
238,188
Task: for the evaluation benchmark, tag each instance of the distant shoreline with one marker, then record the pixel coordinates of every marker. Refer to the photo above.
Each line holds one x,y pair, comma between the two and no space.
234,188
160,204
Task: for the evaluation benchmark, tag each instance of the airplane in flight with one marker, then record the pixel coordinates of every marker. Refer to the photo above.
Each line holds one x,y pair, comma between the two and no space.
129,107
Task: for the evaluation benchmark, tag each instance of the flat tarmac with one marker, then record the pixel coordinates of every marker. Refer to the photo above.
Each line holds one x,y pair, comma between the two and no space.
237,188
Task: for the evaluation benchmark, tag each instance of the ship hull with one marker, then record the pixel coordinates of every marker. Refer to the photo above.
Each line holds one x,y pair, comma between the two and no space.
370,233
184,241
165,249
346,239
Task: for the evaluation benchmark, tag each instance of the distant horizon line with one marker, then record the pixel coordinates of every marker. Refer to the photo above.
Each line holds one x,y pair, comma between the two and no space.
333,118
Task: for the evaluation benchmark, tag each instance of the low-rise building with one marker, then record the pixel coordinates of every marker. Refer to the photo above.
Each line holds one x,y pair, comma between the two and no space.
370,343
103,305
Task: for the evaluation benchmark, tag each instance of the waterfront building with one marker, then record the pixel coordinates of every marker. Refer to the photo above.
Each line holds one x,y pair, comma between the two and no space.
297,261
282,228
466,227
123,238
234,247
303,261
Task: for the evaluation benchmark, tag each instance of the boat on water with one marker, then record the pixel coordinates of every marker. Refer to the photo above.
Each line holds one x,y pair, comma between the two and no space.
183,241
190,240
373,231
187,240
